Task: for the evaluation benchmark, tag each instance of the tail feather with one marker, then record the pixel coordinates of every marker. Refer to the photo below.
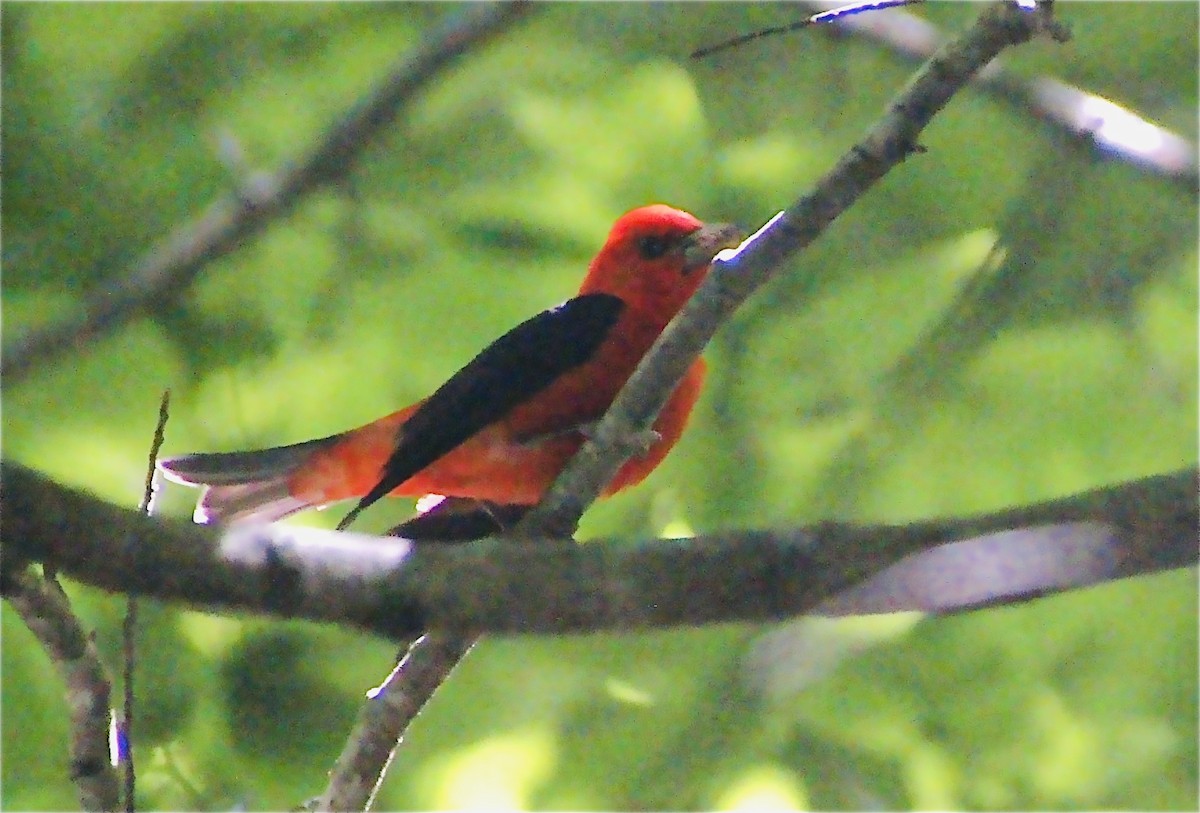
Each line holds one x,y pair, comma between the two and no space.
263,501
244,486
236,468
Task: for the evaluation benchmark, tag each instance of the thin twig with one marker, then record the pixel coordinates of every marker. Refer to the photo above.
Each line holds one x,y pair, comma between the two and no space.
129,628
836,13
169,267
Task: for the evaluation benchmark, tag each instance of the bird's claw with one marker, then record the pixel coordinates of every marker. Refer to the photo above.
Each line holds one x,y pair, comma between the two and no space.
635,443
639,443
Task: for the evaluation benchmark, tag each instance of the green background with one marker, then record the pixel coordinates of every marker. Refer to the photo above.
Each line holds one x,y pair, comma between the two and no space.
862,384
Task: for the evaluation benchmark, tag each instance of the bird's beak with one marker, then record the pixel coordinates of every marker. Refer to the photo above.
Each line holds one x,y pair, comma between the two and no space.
702,245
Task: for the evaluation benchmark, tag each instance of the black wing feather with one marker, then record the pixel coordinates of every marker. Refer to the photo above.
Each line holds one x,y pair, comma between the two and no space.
512,369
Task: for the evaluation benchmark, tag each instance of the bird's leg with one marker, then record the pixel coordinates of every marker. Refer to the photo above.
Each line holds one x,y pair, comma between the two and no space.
638,444
632,443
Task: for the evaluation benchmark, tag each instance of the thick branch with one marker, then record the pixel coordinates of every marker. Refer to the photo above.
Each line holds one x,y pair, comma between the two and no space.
391,587
166,270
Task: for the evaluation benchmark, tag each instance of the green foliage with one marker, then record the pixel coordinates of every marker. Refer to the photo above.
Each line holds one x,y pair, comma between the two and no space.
1008,317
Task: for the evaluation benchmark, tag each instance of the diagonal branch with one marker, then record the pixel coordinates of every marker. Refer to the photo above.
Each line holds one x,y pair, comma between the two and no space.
731,281
378,733
169,267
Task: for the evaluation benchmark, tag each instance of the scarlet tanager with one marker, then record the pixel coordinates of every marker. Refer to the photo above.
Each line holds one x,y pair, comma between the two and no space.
500,429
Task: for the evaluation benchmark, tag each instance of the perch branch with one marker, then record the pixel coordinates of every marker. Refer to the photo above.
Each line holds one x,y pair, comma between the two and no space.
391,587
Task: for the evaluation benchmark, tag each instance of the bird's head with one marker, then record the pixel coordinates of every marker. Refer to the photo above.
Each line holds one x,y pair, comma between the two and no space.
656,256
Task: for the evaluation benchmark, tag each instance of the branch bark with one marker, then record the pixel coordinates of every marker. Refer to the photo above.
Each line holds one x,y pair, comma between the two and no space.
394,588
44,608
383,718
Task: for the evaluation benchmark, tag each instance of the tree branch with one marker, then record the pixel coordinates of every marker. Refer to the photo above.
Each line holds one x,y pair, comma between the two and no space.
169,267
391,587
44,608
383,718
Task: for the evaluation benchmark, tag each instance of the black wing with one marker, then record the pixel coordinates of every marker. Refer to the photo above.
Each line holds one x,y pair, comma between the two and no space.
512,369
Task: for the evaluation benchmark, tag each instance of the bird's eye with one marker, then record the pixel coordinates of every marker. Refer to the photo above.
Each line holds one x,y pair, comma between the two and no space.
653,246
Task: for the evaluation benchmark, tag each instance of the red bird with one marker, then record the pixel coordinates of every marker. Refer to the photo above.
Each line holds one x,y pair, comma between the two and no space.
501,428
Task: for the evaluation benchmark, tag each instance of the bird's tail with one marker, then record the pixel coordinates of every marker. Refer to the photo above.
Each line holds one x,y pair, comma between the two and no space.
245,486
